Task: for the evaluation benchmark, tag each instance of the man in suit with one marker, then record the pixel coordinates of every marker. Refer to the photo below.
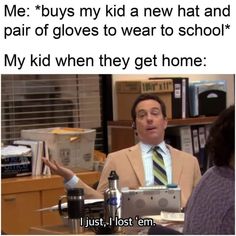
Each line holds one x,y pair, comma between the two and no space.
134,165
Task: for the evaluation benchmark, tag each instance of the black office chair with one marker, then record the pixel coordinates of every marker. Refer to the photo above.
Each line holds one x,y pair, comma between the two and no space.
162,230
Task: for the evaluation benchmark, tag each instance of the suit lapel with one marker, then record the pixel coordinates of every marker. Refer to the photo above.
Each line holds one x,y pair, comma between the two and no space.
176,165
134,156
135,159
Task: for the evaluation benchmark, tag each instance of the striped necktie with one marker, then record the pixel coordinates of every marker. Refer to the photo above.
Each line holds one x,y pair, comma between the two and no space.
159,172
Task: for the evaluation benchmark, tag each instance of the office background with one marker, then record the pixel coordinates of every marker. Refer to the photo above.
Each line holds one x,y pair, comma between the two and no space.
87,101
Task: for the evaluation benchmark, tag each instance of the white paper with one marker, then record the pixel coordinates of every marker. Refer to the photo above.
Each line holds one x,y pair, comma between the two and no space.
64,205
172,216
14,150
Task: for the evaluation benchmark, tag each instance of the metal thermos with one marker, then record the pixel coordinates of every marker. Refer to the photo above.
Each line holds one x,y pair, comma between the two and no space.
112,200
76,212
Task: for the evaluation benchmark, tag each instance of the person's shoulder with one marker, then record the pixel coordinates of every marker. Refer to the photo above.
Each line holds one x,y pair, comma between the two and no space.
179,153
124,151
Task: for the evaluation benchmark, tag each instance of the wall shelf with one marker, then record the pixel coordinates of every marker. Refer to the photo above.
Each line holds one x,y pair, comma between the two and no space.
201,120
117,130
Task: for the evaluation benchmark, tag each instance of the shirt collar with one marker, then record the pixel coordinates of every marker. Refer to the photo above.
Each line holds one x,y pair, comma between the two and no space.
147,147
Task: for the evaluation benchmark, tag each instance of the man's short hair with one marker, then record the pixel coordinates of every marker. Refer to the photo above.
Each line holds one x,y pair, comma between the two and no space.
144,97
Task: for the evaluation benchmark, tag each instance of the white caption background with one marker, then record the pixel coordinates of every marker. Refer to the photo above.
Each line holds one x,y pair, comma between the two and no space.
117,36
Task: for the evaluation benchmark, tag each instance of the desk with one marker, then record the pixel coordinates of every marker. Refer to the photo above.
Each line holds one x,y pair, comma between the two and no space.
57,229
62,229
22,196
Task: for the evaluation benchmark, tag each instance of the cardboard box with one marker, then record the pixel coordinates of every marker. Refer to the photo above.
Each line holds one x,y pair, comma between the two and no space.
72,147
128,91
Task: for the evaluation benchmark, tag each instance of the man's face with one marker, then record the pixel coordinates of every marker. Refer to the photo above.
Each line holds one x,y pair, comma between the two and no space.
150,122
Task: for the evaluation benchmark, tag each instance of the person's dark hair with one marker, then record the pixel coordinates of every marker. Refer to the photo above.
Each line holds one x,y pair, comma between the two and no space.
144,97
220,144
